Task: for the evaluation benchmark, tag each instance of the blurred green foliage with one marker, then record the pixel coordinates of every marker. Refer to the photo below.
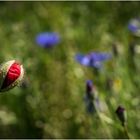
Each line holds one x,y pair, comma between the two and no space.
49,104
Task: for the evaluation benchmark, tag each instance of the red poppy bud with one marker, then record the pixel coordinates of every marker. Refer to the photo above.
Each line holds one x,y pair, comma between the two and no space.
11,74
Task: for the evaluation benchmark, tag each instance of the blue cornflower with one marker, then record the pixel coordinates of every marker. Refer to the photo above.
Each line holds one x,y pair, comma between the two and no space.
47,39
134,26
93,59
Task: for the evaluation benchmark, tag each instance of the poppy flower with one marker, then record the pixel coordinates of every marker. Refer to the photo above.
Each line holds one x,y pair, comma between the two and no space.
47,39
11,74
134,26
93,59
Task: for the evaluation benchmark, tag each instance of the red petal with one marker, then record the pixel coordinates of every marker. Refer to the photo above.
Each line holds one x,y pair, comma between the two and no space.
12,75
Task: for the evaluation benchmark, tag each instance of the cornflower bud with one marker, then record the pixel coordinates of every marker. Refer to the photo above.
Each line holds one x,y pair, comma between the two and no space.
132,47
89,89
115,49
121,113
91,98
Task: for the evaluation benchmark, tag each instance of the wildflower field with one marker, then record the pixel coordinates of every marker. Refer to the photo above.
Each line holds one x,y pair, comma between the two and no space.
82,70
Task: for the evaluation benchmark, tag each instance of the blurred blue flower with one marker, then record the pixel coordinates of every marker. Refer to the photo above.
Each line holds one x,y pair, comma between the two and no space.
93,59
134,26
47,39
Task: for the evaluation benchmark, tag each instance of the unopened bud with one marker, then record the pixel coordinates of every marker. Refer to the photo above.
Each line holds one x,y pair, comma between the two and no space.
121,113
11,74
89,86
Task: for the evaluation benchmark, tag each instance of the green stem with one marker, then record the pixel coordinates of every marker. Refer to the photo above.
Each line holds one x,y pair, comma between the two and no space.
99,116
126,131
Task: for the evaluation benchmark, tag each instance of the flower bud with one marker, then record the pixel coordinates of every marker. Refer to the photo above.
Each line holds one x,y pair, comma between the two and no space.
121,113
89,86
132,47
11,74
115,49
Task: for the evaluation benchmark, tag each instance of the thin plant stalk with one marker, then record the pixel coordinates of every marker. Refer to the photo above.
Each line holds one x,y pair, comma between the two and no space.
100,118
126,131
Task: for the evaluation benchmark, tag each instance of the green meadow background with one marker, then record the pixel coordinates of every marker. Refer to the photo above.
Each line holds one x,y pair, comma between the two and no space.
49,103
